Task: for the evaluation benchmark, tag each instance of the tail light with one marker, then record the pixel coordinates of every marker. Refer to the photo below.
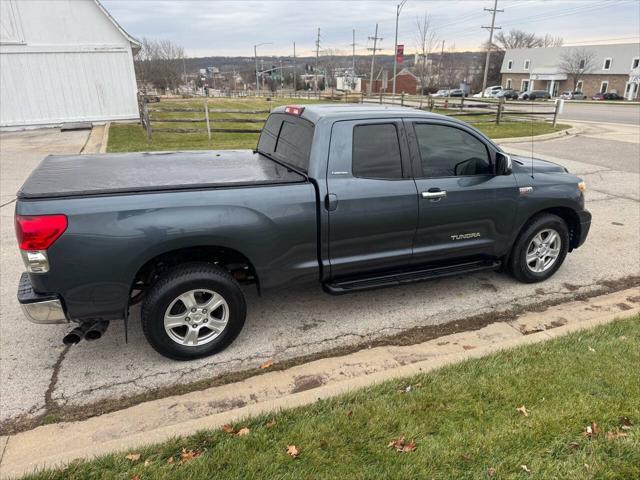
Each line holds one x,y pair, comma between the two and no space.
36,233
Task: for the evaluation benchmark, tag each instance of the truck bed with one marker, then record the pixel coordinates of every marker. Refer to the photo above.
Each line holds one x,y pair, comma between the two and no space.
113,173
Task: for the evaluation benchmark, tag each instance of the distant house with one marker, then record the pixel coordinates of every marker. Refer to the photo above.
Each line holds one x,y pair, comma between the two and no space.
616,69
64,62
406,82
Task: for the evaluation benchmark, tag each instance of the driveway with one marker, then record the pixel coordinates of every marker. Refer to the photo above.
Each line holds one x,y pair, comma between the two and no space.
38,375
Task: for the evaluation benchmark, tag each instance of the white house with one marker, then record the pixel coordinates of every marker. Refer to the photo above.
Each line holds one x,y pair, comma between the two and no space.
64,61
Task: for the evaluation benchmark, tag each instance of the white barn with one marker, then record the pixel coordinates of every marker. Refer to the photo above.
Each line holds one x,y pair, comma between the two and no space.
64,61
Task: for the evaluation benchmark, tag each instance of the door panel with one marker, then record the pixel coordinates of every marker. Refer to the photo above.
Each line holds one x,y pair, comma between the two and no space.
465,216
372,221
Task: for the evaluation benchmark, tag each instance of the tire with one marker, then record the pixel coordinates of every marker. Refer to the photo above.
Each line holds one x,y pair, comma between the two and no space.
209,291
530,264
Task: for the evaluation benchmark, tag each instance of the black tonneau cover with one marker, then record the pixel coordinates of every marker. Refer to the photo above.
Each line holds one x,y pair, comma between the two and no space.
77,175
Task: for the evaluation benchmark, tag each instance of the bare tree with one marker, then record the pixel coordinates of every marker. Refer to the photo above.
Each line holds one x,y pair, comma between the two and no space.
577,62
521,39
426,39
159,63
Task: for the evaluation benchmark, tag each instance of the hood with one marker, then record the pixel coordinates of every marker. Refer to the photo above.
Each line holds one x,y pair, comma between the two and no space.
539,166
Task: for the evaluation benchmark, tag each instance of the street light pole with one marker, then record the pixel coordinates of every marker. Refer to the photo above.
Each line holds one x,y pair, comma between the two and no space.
395,48
255,57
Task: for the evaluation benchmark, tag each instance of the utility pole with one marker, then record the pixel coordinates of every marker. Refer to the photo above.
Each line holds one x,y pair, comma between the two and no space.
395,48
375,39
353,61
317,54
493,11
295,83
440,76
255,56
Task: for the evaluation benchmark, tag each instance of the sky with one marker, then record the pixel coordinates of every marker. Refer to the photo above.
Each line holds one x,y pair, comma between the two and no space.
230,28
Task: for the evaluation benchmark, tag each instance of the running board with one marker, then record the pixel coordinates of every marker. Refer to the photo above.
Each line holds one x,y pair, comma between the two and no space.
394,279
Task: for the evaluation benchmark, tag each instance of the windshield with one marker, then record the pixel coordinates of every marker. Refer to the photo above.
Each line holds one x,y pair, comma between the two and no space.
287,138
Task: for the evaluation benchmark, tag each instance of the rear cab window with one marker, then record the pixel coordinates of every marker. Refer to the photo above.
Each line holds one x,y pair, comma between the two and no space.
287,138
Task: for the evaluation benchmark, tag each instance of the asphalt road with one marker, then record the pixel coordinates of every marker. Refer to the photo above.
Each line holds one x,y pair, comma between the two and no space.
36,373
605,113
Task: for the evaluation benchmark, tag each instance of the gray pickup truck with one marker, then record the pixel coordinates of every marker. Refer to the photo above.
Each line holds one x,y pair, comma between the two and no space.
351,196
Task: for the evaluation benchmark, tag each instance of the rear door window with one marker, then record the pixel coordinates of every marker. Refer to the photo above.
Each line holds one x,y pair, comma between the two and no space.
376,151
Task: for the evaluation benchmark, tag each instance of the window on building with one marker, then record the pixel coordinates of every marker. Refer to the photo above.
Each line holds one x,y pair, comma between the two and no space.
635,63
450,152
581,64
526,64
579,86
376,151
509,64
607,64
604,86
509,84
524,86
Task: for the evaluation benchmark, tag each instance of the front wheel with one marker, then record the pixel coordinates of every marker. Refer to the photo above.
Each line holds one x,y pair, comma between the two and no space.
540,249
193,311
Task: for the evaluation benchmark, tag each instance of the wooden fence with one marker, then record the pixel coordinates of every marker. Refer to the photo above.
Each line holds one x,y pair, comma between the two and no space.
466,108
149,116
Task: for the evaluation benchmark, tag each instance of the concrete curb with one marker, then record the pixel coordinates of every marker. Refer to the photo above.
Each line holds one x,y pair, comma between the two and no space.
162,419
105,138
574,130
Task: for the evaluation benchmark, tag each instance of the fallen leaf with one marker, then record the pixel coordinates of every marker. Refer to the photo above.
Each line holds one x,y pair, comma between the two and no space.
135,477
243,431
525,468
523,411
622,338
271,423
400,446
293,451
228,429
615,434
592,349
468,347
147,463
573,445
440,344
350,413
134,457
625,423
188,455
491,472
266,364
591,430
170,460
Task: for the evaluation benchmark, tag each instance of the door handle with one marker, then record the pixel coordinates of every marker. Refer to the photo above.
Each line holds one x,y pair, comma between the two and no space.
434,194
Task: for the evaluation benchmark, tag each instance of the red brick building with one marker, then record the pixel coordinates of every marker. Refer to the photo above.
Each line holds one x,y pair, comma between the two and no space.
406,82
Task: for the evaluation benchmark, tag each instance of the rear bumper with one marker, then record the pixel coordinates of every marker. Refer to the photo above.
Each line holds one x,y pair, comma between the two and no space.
585,225
39,308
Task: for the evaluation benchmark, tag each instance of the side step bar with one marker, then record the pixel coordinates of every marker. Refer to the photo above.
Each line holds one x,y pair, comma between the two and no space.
394,279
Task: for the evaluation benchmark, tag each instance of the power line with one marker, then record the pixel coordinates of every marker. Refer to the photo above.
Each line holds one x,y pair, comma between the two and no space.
493,11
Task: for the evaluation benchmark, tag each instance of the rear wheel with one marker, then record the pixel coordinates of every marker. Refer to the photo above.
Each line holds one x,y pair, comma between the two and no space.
540,249
193,311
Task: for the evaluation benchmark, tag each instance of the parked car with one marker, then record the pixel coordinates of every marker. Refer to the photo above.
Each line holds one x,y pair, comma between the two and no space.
573,95
441,93
458,93
508,94
534,95
607,96
489,91
348,198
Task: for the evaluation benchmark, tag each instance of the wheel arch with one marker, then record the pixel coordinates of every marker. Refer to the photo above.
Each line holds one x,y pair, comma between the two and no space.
233,261
567,214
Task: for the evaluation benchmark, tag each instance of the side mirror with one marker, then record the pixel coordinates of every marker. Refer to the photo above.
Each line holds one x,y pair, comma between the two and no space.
503,164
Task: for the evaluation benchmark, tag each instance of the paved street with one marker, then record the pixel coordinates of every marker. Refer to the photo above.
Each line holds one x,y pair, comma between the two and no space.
606,113
36,372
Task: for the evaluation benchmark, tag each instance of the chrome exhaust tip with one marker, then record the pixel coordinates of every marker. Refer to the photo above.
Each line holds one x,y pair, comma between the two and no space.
75,335
96,330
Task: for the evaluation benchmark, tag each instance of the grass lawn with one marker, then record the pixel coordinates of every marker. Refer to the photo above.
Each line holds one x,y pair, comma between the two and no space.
132,137
462,418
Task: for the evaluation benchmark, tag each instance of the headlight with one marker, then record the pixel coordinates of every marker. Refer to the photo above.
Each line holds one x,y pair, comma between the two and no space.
582,186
